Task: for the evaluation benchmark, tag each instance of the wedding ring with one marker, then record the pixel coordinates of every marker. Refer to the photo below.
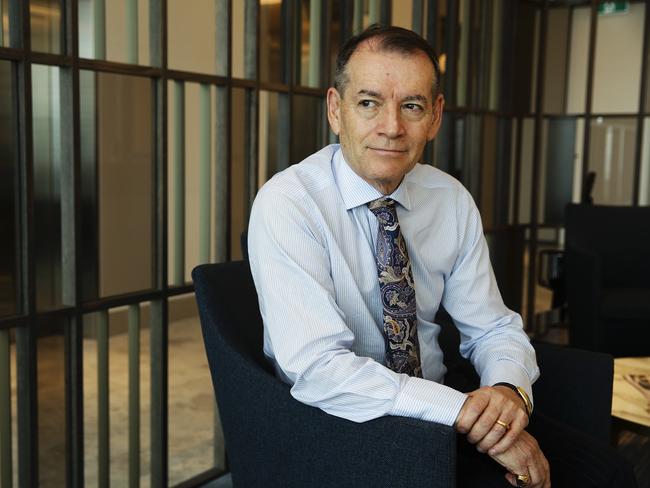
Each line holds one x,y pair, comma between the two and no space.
503,424
523,480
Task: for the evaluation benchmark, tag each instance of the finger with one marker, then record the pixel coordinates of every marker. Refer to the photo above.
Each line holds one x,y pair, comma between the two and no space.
511,478
485,422
471,411
518,424
496,433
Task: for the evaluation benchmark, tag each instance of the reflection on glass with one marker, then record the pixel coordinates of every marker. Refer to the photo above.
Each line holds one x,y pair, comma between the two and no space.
526,170
309,65
402,13
193,139
272,58
309,130
240,171
192,35
115,31
244,29
4,21
196,441
273,136
555,70
335,36
50,363
617,70
578,60
122,176
8,196
46,105
611,158
238,29
46,25
644,193
495,171
557,161
463,52
118,395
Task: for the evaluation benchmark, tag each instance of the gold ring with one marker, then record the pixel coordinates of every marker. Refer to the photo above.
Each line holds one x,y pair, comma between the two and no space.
503,424
523,480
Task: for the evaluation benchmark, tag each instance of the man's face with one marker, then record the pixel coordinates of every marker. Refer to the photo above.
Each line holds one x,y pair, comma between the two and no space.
386,114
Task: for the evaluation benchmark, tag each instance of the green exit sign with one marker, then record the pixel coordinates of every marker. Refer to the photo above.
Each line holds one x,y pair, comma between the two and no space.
609,8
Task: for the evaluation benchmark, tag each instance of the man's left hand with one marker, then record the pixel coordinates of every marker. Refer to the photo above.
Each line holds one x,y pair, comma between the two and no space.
484,414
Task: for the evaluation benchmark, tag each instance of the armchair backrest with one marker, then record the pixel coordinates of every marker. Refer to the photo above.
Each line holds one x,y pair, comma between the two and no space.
618,235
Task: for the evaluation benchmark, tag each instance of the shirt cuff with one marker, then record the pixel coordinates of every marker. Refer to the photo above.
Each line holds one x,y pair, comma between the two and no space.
428,400
505,371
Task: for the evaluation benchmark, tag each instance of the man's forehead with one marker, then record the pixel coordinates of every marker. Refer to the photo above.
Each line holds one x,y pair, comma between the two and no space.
364,72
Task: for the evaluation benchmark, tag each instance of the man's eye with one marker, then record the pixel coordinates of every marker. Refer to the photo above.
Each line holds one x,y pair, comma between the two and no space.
366,103
413,107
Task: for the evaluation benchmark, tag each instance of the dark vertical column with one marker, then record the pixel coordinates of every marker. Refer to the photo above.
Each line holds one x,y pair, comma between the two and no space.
589,94
159,308
26,379
537,149
643,95
71,245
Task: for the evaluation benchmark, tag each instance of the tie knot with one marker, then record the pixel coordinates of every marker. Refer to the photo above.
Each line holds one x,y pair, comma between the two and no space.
384,210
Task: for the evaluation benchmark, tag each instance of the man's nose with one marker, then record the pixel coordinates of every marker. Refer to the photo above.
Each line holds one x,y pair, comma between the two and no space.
391,124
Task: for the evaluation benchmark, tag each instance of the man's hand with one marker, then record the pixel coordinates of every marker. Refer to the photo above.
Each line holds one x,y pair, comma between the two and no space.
479,415
525,458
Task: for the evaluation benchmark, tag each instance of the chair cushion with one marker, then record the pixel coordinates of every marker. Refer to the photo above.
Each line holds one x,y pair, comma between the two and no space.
626,303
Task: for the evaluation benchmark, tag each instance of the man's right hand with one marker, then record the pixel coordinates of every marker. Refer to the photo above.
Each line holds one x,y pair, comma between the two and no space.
525,457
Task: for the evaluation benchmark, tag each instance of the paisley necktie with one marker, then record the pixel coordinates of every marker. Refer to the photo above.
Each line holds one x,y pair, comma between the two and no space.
397,291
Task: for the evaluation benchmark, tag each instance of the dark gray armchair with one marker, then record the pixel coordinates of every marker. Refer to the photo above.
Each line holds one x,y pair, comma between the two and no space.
608,278
273,440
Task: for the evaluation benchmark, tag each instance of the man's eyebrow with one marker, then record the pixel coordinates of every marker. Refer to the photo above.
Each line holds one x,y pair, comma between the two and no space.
416,98
369,93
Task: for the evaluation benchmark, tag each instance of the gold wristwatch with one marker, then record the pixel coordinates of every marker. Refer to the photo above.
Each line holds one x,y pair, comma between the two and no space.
522,393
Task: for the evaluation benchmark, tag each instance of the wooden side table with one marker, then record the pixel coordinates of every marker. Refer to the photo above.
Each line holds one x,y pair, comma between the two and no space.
631,396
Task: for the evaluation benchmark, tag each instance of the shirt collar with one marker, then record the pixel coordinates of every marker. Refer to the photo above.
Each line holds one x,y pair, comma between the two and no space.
356,191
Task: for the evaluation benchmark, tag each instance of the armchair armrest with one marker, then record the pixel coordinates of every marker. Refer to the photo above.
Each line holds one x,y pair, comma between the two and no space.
575,387
285,443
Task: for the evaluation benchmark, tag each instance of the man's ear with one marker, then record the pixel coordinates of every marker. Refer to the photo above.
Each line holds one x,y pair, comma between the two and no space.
334,110
438,108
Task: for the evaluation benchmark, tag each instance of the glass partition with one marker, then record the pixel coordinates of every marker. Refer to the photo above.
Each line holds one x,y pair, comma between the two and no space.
611,159
119,216
46,25
46,108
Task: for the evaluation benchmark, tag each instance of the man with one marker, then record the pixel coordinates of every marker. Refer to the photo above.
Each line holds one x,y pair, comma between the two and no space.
354,250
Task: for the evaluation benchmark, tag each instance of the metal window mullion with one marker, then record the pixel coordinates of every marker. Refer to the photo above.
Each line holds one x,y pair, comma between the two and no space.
99,28
643,94
250,38
315,28
131,21
2,27
6,474
159,410
374,12
159,393
71,247
536,170
103,420
205,131
589,92
26,375
220,218
417,16
178,163
134,395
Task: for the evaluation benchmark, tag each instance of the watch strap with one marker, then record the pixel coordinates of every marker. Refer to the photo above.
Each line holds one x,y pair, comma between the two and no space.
522,394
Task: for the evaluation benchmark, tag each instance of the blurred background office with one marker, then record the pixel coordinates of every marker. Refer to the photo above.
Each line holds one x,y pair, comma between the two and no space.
134,135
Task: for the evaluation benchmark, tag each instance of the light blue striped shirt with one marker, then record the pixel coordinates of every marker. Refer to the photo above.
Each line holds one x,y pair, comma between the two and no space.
311,244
